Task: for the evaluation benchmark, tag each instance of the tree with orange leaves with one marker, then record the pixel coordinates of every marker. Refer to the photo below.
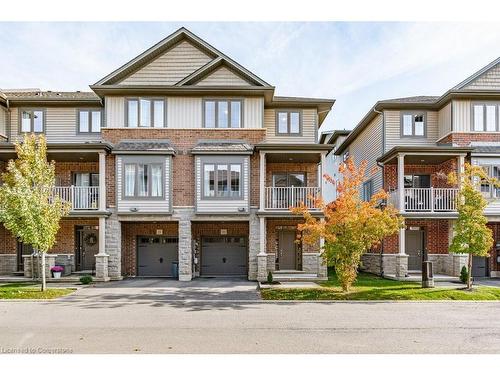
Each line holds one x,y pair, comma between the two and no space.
351,225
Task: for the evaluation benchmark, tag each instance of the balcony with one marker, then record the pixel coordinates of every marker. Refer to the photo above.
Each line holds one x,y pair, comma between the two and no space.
425,199
282,198
80,197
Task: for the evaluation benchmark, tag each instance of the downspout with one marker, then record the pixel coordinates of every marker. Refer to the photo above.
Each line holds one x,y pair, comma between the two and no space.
381,261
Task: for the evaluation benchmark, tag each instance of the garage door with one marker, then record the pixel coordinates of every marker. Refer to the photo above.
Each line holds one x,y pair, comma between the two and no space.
223,256
479,266
155,255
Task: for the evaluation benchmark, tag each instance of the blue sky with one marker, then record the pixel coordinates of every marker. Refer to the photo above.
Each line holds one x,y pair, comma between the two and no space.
356,63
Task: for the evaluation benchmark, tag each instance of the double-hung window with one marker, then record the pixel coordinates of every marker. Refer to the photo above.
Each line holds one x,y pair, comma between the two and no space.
288,122
146,113
89,120
485,117
489,190
222,113
143,180
413,124
367,190
222,180
32,120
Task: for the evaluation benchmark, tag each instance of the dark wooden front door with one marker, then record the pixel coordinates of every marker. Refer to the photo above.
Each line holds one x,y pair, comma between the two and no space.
414,243
22,249
287,250
479,266
87,246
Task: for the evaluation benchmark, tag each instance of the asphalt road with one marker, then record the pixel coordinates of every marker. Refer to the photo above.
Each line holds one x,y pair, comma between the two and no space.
147,319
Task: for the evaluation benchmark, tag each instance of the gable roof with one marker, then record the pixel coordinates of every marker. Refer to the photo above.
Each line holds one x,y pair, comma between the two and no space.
462,85
169,42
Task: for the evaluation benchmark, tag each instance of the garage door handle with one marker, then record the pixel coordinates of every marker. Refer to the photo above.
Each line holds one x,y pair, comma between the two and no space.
223,260
161,260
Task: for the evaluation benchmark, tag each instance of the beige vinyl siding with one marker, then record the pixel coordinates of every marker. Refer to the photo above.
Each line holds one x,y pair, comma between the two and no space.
444,120
3,121
393,135
60,126
309,128
223,77
493,207
253,112
143,205
368,146
490,80
221,206
461,115
184,112
115,111
171,67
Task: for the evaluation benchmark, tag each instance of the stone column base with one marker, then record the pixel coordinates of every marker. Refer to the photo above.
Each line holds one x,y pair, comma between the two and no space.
8,264
101,267
262,267
401,261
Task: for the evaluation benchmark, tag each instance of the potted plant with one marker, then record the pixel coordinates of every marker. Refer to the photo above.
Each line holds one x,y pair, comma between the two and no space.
57,271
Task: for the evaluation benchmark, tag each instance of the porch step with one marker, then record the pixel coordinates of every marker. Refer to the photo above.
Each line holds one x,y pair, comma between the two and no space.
284,276
18,273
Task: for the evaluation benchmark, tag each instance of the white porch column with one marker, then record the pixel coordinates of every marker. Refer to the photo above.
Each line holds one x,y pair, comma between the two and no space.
402,241
460,167
401,183
262,182
102,182
262,232
102,235
321,182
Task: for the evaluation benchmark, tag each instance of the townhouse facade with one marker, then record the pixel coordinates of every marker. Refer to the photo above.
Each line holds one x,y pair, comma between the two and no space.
180,161
413,144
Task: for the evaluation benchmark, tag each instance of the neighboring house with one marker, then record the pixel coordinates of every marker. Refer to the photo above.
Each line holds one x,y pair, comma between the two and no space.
416,142
180,155
332,161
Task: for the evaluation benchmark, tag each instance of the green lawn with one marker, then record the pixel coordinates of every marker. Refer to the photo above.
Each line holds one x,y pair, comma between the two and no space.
371,287
30,291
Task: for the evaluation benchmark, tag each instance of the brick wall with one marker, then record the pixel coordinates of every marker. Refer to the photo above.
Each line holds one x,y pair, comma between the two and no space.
64,170
437,236
65,238
130,231
311,170
465,139
183,141
438,173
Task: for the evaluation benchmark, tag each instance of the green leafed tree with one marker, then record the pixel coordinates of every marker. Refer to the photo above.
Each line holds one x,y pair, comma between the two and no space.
471,234
29,210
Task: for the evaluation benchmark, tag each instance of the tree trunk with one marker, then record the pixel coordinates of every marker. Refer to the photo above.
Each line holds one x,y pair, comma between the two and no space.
469,274
44,281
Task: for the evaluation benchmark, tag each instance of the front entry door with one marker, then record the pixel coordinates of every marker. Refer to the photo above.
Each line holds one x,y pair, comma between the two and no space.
22,249
479,266
414,249
287,250
87,245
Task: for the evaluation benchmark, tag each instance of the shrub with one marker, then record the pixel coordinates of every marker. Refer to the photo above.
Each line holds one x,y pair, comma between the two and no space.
464,275
86,279
270,277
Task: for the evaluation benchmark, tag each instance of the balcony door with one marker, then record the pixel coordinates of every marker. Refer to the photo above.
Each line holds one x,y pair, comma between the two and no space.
283,196
417,192
86,190
417,181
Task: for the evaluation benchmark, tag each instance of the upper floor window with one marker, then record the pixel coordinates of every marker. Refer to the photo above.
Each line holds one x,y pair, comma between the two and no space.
367,190
413,124
489,190
32,120
143,180
222,113
297,179
89,120
145,113
485,117
288,122
222,180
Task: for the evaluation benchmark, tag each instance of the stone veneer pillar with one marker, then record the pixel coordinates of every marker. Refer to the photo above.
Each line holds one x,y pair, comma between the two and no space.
113,245
262,267
101,267
253,245
401,261
185,249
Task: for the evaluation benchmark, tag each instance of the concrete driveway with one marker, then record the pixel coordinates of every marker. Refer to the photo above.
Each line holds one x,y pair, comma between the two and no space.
157,290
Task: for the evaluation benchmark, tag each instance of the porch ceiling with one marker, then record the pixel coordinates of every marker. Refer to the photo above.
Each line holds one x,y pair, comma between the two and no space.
423,159
423,155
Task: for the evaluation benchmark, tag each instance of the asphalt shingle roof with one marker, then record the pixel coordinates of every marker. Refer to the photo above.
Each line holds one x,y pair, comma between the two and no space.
63,95
144,145
221,146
